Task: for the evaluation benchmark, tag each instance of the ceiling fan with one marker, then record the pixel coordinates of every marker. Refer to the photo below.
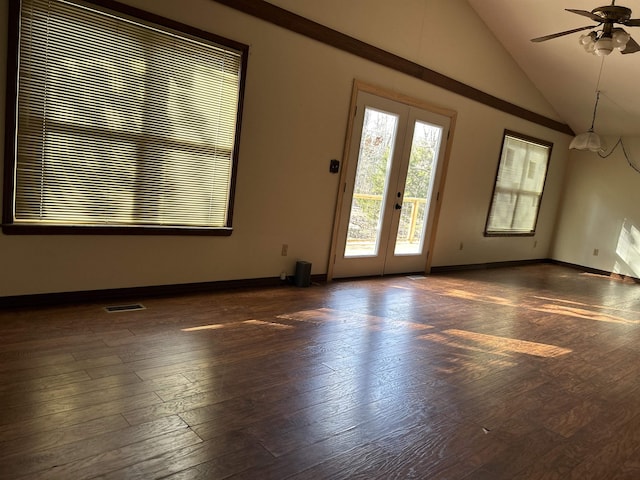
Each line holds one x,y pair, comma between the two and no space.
603,42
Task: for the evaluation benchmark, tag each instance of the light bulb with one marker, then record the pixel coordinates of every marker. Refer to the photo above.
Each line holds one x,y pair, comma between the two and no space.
620,39
585,39
604,46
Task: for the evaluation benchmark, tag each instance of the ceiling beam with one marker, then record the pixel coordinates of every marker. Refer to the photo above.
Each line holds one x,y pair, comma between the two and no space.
316,31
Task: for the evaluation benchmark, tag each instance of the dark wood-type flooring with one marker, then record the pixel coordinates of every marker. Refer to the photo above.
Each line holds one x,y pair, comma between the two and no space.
528,372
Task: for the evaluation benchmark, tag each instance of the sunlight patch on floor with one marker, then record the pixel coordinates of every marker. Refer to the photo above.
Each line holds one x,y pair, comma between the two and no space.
603,307
316,316
268,324
217,326
494,344
589,312
323,315
478,298
584,313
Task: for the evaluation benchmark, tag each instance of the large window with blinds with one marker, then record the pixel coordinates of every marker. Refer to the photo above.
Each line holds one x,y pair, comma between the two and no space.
119,121
519,185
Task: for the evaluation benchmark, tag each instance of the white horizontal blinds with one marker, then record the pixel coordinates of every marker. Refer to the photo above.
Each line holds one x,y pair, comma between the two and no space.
518,188
120,122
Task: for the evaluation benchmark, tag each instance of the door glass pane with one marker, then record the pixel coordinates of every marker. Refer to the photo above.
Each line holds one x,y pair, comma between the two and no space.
417,190
370,188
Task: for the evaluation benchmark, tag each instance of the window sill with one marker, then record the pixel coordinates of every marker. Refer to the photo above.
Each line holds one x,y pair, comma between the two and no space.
509,234
33,229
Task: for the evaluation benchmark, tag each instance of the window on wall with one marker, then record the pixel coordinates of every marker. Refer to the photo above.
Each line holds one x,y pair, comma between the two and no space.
519,185
120,122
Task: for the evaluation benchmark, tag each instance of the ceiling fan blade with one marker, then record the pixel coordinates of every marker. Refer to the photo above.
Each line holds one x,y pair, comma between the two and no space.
561,34
632,47
584,13
632,22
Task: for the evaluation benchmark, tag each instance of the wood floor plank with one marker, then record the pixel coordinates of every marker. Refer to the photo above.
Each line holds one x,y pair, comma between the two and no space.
57,458
37,442
217,458
17,383
116,459
88,395
63,419
60,369
15,364
608,459
84,384
513,373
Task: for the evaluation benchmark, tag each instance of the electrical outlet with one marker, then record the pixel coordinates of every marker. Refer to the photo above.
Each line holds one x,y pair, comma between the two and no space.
285,250
461,245
595,252
535,243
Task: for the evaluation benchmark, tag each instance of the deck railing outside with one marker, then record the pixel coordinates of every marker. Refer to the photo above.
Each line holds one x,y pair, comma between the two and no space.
363,229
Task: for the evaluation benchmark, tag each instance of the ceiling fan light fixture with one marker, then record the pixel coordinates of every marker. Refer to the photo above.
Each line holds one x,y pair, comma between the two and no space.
587,141
604,46
610,37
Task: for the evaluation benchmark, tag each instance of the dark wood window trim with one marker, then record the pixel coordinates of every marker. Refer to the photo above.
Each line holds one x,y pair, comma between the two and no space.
296,23
8,225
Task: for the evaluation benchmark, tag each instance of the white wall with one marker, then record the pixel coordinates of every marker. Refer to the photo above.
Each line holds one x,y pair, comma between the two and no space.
295,116
600,211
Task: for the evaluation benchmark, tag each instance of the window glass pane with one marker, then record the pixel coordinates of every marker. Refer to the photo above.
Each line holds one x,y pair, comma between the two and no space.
518,188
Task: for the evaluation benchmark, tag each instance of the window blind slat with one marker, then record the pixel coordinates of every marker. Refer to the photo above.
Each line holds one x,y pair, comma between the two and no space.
121,122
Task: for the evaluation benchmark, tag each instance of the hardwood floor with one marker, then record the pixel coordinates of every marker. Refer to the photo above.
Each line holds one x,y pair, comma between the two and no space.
516,373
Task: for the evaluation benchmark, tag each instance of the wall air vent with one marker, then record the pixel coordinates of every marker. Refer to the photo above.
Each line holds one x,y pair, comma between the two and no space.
124,308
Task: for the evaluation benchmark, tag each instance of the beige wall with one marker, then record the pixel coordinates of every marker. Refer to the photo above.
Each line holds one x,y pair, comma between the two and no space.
600,211
295,116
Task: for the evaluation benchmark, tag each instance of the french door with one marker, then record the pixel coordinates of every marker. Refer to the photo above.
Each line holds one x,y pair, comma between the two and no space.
388,204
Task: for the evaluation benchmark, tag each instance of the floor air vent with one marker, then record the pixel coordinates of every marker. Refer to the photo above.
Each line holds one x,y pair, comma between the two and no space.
124,308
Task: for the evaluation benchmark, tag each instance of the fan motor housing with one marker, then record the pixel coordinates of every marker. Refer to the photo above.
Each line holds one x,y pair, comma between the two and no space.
613,13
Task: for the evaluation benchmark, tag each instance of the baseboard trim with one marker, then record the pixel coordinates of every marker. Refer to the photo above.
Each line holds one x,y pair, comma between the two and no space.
486,266
597,271
518,263
92,296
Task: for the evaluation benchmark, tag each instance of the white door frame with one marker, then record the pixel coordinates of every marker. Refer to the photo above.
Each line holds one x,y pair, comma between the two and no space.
359,86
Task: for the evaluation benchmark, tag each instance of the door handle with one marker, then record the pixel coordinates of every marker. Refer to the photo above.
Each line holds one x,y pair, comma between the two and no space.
398,206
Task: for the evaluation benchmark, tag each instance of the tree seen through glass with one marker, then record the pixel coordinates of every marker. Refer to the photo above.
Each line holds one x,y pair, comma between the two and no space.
370,187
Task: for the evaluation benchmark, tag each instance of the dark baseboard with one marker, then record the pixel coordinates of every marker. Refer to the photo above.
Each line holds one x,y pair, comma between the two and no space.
117,294
518,263
596,271
486,266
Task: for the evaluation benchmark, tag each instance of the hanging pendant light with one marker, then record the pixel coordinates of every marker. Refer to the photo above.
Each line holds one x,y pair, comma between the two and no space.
588,140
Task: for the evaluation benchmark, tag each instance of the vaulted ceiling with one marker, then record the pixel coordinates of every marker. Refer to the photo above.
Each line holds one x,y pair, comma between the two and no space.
560,68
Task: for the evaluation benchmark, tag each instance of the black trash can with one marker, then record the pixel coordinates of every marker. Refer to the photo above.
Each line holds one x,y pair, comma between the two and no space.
303,274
